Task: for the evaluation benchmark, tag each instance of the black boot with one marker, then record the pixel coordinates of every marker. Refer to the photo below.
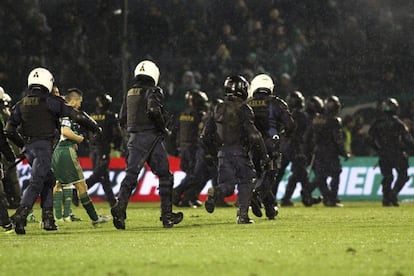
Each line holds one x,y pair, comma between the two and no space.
243,217
210,203
271,211
169,218
118,212
48,220
256,204
244,196
19,219
306,198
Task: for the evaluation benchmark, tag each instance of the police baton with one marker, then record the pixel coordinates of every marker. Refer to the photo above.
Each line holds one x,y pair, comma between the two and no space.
149,151
155,142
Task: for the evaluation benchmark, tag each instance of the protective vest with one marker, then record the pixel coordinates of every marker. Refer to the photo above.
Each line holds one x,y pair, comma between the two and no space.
137,118
327,133
260,105
37,120
106,120
228,122
189,127
390,135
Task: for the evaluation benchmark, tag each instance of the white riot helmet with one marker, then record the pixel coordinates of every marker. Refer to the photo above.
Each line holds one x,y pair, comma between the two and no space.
41,76
148,68
6,98
263,82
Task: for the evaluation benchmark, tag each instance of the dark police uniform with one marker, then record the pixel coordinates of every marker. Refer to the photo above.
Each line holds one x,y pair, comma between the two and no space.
190,124
232,126
272,117
391,138
294,151
328,144
11,180
7,152
100,148
40,108
143,113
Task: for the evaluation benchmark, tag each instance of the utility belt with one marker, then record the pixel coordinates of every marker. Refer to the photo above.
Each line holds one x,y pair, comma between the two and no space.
141,128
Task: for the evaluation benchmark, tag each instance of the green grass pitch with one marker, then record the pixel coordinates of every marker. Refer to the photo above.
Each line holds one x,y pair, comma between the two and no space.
363,238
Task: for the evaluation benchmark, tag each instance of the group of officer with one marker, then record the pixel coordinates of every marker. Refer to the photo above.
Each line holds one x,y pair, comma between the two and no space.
245,140
255,135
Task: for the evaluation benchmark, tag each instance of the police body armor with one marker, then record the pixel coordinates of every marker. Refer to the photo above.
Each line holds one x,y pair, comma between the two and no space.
321,128
327,133
190,121
265,108
228,123
137,117
106,121
34,112
386,135
260,105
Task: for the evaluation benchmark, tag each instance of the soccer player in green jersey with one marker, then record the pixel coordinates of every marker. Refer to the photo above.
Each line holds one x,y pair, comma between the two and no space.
67,169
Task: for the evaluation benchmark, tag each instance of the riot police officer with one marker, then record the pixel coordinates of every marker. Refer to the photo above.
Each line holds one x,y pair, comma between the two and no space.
40,108
232,127
313,106
295,151
11,180
190,122
391,139
143,113
6,151
100,146
273,119
328,144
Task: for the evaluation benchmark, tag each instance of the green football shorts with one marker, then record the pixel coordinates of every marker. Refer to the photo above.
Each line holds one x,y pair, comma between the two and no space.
65,165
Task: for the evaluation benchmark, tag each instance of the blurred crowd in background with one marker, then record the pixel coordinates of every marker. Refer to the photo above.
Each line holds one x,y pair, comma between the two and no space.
360,50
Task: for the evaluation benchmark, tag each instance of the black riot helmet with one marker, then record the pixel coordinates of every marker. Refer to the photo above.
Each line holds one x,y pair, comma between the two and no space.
332,105
295,100
314,105
390,105
197,98
103,101
236,86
